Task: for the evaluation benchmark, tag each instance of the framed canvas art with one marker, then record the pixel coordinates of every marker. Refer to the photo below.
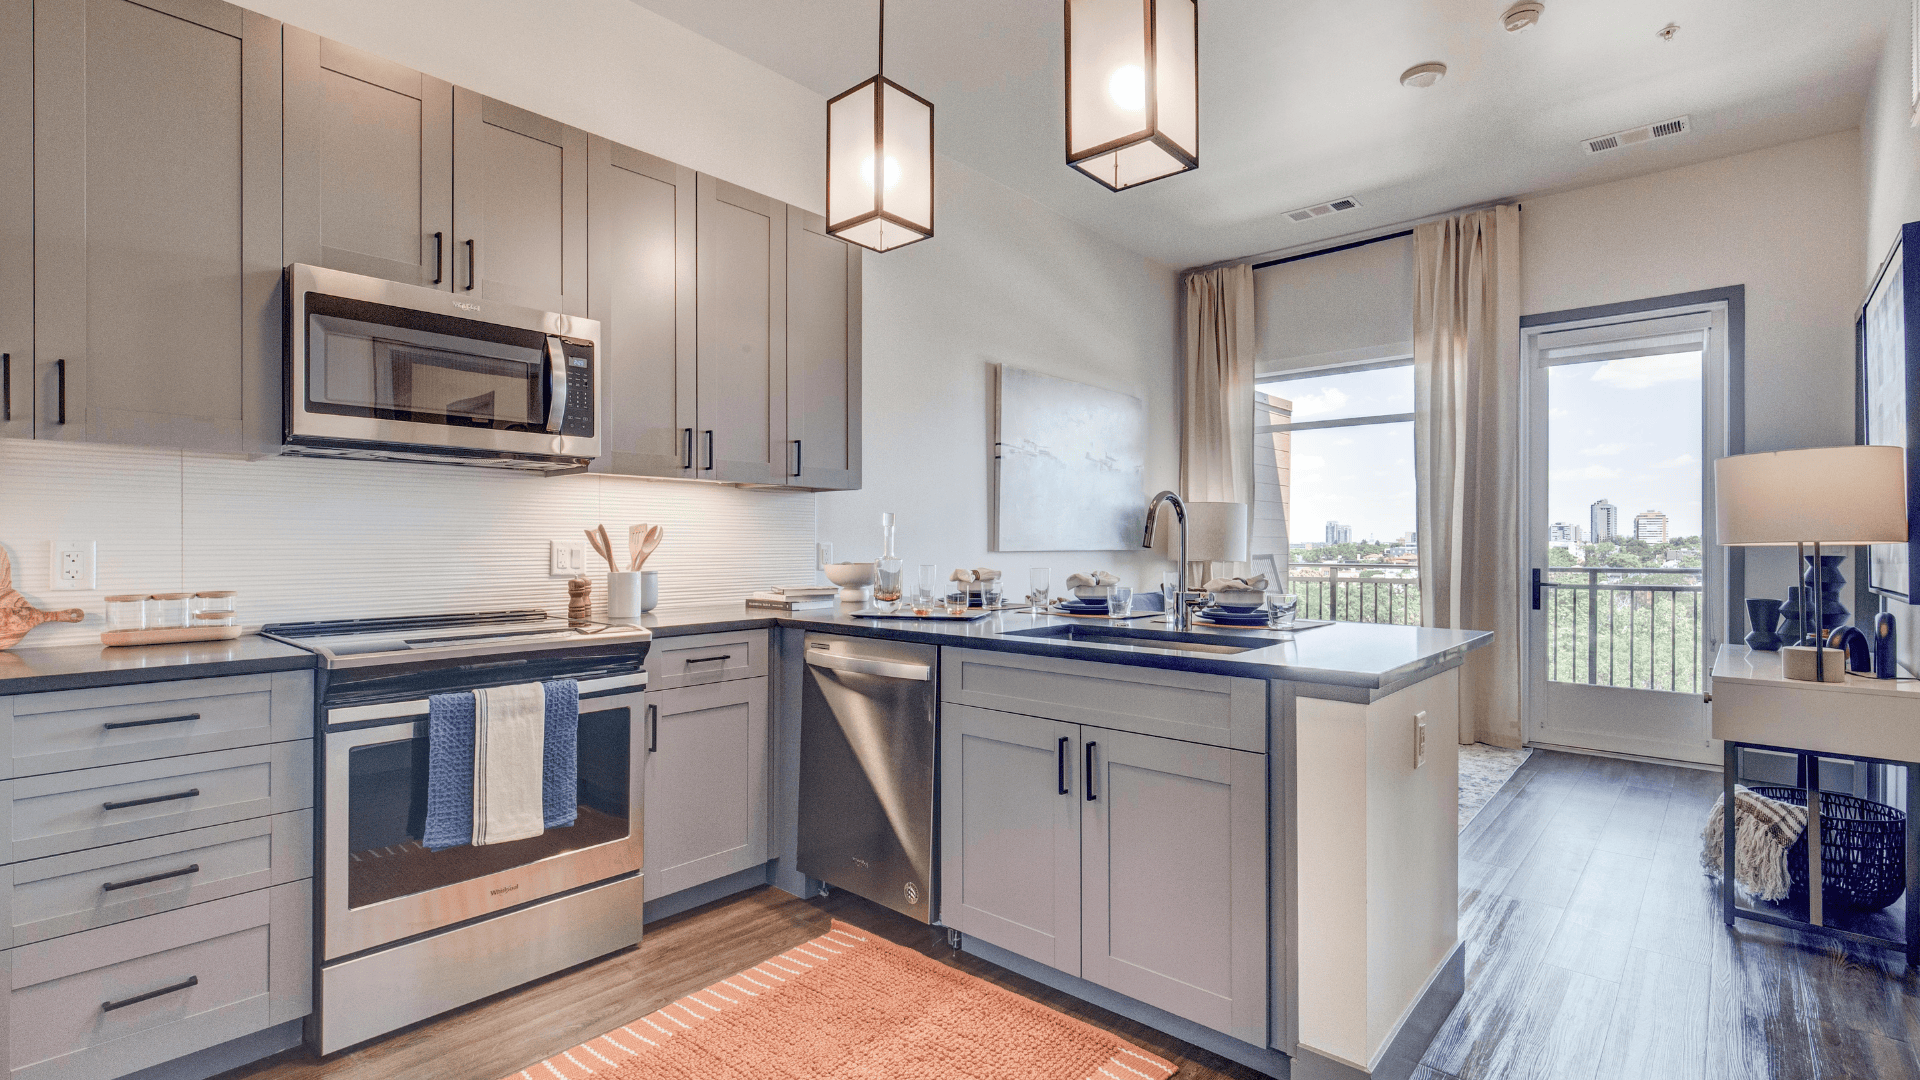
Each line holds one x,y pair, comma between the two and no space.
1887,340
1069,462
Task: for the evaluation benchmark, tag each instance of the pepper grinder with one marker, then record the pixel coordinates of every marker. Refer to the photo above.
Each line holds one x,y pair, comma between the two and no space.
579,600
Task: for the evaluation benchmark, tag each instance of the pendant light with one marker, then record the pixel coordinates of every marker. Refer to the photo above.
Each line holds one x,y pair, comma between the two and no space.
880,161
1133,89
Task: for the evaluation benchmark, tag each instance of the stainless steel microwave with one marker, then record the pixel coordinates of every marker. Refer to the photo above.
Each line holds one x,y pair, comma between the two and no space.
378,369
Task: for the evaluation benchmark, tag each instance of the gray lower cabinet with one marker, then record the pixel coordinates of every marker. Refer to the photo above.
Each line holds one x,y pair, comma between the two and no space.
16,219
640,273
157,172
519,206
706,799
823,356
740,293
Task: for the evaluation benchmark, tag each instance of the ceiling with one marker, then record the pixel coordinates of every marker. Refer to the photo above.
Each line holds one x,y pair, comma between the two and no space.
1301,101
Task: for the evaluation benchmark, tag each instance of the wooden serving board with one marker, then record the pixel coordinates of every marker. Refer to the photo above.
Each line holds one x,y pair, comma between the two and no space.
168,637
16,615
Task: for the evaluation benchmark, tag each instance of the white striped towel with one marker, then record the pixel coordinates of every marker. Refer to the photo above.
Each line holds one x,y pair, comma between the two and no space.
509,748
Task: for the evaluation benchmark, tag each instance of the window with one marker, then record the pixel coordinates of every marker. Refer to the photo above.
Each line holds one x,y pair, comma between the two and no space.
1334,490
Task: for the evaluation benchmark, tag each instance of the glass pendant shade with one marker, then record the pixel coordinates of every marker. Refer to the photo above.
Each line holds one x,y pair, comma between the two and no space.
880,165
1133,89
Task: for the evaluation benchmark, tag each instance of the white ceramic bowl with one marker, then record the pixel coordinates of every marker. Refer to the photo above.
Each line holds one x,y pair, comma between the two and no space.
1093,592
1241,599
850,575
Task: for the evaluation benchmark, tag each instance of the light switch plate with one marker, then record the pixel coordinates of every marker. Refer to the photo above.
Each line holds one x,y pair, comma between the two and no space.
1419,738
72,565
566,558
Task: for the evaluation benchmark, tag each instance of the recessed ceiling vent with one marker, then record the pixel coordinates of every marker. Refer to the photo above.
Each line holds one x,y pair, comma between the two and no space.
1308,213
1665,129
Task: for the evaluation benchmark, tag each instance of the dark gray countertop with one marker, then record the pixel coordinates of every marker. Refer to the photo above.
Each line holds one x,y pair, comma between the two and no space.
74,667
1362,656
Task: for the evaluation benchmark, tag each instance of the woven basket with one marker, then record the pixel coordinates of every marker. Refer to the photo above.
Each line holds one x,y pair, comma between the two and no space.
1863,851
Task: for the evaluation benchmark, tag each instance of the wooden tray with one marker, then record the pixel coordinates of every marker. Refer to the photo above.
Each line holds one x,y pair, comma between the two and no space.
939,616
168,637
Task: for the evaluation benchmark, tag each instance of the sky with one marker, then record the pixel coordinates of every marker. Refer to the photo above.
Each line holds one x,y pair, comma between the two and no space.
1359,476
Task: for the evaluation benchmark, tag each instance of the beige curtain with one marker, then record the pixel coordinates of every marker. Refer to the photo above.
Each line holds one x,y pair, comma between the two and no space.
1216,442
1466,436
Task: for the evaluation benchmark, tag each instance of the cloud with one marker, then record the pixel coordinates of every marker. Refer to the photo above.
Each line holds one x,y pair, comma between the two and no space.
1557,414
1680,462
1325,401
1606,449
1589,472
1640,372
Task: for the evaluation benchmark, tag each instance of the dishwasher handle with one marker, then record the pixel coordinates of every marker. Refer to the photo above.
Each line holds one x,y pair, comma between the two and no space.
889,669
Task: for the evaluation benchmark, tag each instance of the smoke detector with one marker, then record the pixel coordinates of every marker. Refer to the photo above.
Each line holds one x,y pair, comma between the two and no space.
1308,213
1524,15
1421,76
1665,129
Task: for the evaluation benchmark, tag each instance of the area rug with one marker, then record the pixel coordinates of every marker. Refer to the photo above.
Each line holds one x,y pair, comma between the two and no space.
850,1006
1483,770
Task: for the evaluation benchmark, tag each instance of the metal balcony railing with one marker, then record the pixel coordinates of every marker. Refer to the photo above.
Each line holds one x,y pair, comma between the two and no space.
1357,592
1624,626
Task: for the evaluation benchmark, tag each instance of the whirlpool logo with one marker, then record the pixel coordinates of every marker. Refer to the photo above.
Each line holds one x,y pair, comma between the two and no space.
508,889
464,306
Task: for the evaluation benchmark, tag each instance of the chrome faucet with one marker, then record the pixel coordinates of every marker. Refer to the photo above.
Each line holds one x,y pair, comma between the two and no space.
1179,617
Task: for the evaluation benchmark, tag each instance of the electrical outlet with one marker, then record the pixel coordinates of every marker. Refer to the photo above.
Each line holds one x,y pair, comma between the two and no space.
823,555
1419,738
72,563
566,558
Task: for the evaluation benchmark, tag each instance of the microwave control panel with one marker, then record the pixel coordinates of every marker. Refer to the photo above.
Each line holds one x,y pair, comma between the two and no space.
578,419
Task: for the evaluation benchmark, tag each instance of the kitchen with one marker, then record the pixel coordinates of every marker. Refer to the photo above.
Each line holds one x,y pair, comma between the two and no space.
270,276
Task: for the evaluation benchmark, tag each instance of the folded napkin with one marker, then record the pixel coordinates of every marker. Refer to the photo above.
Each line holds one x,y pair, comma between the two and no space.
1097,579
1257,583
971,576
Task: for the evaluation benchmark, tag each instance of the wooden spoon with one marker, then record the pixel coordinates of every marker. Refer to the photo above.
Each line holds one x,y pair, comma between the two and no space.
641,541
17,616
597,536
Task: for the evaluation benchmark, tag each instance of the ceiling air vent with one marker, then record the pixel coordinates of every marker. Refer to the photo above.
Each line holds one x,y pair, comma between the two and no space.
1308,213
1679,125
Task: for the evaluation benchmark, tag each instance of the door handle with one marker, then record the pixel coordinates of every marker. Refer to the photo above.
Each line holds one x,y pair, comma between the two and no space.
1536,588
686,435
60,373
556,385
1090,794
653,728
6,386
118,724
187,794
860,665
439,257
470,265
150,878
709,466
190,981
796,457
1061,762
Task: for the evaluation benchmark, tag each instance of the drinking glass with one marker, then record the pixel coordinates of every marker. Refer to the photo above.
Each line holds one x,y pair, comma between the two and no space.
1170,589
927,589
1039,584
958,597
887,575
991,593
1120,601
1282,609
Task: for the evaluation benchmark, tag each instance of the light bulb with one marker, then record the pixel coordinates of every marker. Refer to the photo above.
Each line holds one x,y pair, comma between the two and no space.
1128,87
892,171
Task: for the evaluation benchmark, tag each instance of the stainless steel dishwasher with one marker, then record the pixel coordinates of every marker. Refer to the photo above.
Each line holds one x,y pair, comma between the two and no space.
869,739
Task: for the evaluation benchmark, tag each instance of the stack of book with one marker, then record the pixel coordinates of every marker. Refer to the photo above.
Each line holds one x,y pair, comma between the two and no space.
796,598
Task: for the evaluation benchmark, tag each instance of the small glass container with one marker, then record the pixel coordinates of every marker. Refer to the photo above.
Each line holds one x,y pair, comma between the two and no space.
169,611
127,612
1039,585
216,608
1120,602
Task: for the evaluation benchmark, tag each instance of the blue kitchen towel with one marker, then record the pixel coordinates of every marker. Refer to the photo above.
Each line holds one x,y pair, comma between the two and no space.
450,764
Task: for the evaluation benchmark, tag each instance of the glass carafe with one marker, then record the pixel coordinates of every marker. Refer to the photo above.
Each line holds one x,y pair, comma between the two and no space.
888,573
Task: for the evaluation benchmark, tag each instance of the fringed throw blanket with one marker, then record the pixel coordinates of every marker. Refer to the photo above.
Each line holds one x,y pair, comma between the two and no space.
1766,830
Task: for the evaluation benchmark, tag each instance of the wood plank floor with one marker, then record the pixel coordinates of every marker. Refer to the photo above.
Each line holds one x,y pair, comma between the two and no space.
1594,950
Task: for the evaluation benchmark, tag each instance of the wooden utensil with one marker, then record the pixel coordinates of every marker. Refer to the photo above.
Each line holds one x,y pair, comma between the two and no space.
17,616
641,542
597,536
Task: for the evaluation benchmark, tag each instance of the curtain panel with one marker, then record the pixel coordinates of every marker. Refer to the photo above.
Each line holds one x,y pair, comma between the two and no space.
1216,433
1466,434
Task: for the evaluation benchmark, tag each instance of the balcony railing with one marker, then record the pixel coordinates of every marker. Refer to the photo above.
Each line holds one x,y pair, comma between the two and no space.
1357,592
1623,626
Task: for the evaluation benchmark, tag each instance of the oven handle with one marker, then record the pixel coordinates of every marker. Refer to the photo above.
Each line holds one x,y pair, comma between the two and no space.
556,385
393,710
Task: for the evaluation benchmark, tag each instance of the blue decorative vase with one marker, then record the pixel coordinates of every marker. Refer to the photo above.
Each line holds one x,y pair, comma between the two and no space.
1764,614
1824,581
1886,653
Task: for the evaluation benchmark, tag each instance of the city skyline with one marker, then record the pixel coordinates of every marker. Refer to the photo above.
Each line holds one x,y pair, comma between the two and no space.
1626,432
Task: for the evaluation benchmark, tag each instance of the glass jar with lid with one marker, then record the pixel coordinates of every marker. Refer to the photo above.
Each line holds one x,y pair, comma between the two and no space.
127,612
217,607
169,611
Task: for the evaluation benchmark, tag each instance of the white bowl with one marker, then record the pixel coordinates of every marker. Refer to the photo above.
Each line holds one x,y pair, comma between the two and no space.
1093,592
850,575
1248,599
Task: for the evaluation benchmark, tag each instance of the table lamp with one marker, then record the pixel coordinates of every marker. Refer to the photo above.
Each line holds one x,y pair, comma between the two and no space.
1216,532
1843,495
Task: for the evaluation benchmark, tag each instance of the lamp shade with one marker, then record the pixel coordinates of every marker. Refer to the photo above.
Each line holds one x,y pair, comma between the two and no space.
1216,532
1829,495
880,165
1133,89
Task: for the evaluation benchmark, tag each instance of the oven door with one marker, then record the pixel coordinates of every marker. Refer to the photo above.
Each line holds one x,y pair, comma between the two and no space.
383,885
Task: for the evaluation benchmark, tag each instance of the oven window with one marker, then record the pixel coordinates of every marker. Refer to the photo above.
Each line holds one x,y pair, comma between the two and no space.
387,814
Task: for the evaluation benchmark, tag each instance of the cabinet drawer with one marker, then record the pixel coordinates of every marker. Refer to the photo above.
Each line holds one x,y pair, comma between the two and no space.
84,890
116,803
217,967
706,658
78,729
1217,710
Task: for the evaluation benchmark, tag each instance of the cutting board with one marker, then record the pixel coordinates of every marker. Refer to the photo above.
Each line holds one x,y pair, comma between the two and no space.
16,615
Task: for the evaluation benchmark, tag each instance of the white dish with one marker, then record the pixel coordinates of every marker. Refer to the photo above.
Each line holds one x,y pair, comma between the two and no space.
1093,592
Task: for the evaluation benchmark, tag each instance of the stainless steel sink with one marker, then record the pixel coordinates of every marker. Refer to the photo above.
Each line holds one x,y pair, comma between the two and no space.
1145,638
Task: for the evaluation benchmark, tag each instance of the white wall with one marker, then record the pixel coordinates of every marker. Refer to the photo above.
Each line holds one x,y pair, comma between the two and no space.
1002,281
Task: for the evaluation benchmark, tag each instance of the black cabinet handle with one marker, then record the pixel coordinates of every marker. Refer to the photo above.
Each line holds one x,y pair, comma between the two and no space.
109,1006
439,256
709,449
470,265
796,457
1536,588
150,878
118,724
653,728
6,386
1060,759
704,659
686,435
187,794
60,373
1090,746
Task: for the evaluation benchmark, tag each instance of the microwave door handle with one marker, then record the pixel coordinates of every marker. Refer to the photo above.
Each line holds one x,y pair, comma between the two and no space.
556,365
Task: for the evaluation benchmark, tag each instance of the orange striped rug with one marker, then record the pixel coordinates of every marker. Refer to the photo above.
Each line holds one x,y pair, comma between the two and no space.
850,1006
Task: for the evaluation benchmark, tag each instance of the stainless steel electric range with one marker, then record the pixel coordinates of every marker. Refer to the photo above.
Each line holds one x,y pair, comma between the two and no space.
405,933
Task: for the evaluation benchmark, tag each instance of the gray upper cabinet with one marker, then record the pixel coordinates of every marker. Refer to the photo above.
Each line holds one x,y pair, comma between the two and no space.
519,206
823,356
16,219
369,161
640,274
156,221
741,335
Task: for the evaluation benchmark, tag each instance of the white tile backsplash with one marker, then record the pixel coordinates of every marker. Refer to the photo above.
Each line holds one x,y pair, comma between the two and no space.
316,539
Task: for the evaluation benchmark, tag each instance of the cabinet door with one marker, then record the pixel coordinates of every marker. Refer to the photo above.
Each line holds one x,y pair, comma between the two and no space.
1174,878
157,225
16,219
706,783
741,293
519,206
640,212
369,152
1010,790
823,356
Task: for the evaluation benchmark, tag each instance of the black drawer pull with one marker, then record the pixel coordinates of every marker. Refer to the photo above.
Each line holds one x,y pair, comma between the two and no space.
150,878
187,794
1062,763
6,386
109,1006
118,724
704,659
1090,746
687,433
470,266
439,257
60,371
653,728
796,457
